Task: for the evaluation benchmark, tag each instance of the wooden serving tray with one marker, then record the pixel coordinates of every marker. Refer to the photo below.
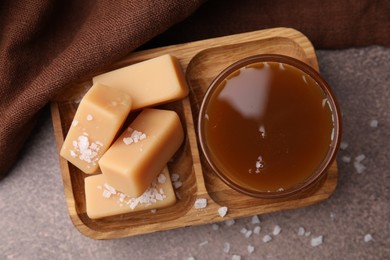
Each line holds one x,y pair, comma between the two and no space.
201,61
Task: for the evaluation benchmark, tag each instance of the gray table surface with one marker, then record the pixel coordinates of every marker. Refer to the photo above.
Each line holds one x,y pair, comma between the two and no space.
34,222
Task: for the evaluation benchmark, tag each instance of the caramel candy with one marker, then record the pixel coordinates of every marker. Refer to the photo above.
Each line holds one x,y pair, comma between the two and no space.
140,153
98,118
151,82
102,200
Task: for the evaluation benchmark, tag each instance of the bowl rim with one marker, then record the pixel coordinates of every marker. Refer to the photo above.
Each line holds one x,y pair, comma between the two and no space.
323,168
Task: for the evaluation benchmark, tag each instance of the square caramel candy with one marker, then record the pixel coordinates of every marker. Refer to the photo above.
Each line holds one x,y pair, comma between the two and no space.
102,200
100,115
141,152
151,82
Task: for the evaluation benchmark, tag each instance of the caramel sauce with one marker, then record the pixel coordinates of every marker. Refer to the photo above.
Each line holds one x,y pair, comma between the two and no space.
268,126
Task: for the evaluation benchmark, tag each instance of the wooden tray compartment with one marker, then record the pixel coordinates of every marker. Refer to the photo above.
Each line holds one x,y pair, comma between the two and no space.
201,61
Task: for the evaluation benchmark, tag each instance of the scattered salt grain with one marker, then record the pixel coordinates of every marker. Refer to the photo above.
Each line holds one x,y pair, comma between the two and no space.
346,159
316,241
277,230
215,227
301,231
250,249
106,194
236,257
89,117
230,222
222,211
248,233
178,196
200,203
204,243
128,140
374,123
359,167
360,158
73,154
267,238
75,122
177,184
175,177
308,233
153,211
257,230
255,220
191,258
243,230
332,215
226,247
161,178
110,188
343,145
368,238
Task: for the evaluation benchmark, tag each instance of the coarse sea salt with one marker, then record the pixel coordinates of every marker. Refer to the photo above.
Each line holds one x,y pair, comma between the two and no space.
191,258
267,238
243,230
177,184
149,197
236,257
374,123
343,145
316,241
161,178
255,220
200,203
257,230
301,231
204,243
277,230
230,222
346,159
248,233
89,117
226,247
359,167
215,227
368,238
250,249
222,211
175,177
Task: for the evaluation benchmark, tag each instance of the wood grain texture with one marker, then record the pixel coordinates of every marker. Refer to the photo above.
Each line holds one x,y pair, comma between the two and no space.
198,180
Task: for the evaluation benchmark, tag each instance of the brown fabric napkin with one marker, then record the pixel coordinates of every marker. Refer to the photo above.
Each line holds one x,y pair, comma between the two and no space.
45,45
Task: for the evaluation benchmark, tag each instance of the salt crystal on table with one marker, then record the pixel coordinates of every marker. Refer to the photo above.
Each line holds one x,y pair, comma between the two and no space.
222,211
200,203
346,159
301,231
226,247
255,220
316,241
360,158
191,258
343,145
250,249
230,222
267,238
248,234
243,230
277,230
368,238
257,230
204,243
308,233
215,227
236,257
374,123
